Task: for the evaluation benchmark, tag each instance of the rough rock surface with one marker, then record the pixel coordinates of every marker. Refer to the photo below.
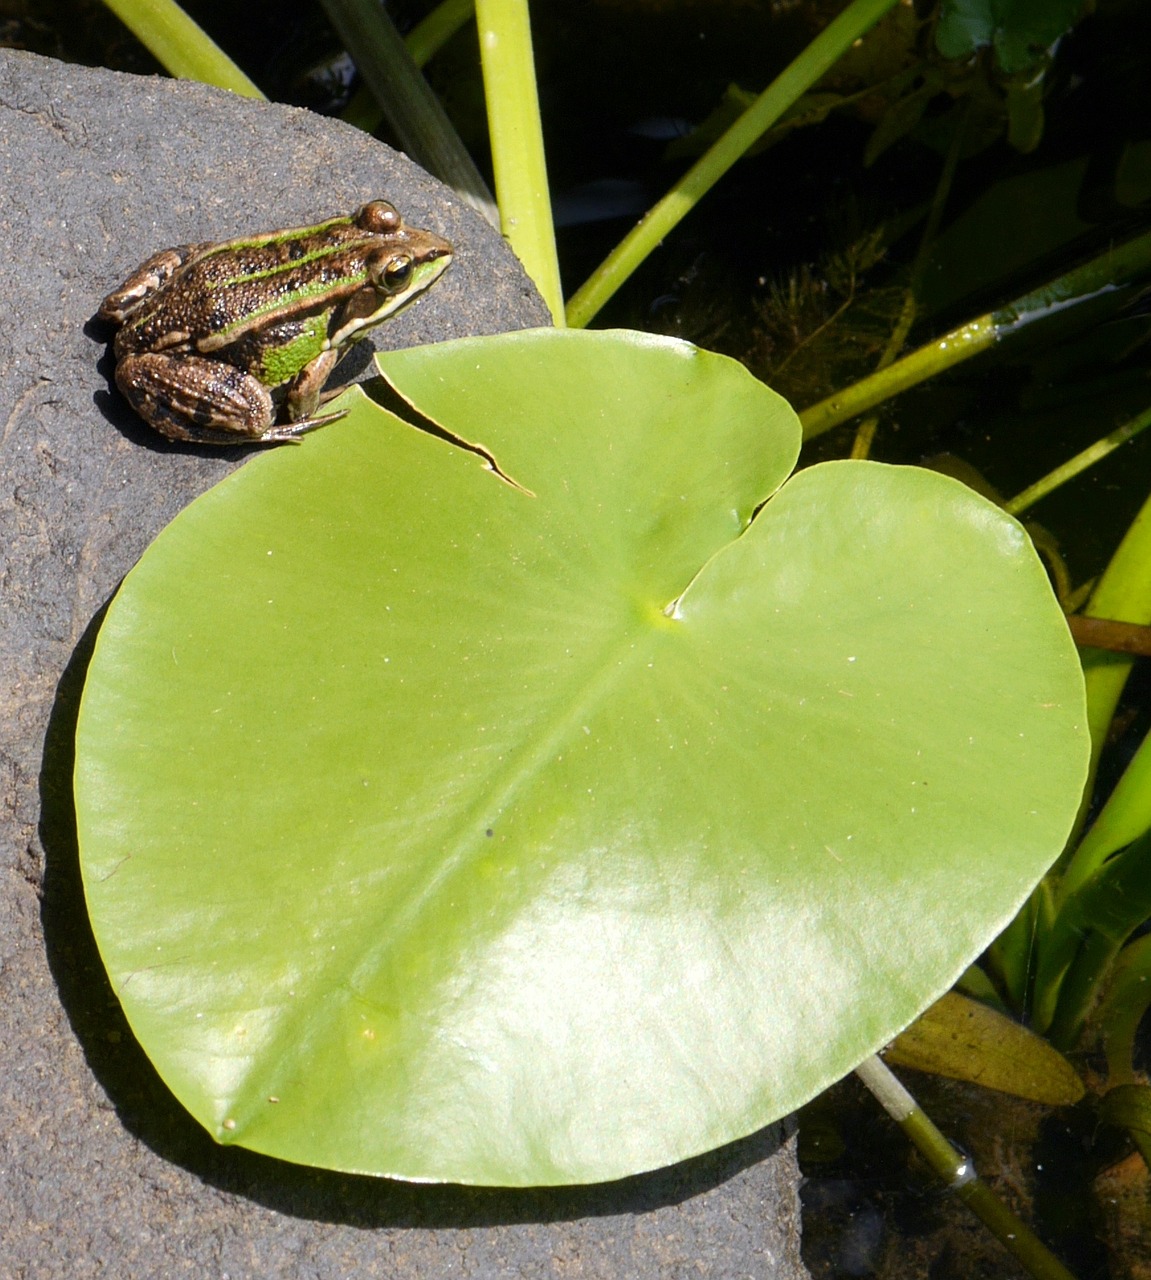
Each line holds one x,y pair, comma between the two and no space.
103,1174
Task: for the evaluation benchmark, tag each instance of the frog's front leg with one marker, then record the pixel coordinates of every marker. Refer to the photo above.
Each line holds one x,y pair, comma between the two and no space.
305,393
145,280
186,397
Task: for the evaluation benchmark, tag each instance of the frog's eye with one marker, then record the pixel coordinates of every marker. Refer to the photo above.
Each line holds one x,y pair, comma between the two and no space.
397,271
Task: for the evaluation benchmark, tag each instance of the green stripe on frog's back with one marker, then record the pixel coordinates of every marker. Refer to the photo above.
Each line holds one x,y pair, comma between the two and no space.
265,256
268,293
243,243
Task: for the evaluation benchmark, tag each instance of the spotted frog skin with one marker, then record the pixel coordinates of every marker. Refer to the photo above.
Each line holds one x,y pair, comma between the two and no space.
232,342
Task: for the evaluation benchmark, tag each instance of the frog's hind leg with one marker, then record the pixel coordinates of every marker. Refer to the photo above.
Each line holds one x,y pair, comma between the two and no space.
189,398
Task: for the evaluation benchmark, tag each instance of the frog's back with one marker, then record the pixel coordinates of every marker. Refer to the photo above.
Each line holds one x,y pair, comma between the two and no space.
227,291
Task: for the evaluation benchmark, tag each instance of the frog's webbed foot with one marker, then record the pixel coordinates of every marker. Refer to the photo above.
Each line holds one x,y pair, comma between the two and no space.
290,432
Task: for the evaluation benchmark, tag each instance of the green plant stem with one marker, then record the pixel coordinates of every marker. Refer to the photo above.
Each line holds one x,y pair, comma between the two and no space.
1077,465
181,46
1012,955
423,42
1088,971
925,362
428,37
517,143
1123,592
865,437
1101,274
959,1173
1125,817
786,89
413,111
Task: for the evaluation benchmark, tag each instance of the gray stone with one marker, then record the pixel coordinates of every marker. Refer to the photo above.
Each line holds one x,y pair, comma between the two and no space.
102,1172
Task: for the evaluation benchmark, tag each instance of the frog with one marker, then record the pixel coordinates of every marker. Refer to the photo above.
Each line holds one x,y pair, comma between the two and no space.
232,342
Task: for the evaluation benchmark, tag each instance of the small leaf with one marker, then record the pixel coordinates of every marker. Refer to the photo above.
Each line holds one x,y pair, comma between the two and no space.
902,115
1021,31
1025,113
965,1040
1128,1106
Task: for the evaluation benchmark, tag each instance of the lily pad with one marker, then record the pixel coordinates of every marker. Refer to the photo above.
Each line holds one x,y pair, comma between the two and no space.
554,823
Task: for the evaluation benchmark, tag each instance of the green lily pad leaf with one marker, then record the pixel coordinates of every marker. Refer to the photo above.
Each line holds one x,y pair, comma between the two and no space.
550,828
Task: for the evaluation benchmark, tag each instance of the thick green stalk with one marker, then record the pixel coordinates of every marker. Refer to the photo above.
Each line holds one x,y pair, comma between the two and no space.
787,88
423,42
959,1174
517,143
180,46
865,432
1123,592
1106,271
1068,969
1089,970
413,111
1011,957
919,365
1121,1010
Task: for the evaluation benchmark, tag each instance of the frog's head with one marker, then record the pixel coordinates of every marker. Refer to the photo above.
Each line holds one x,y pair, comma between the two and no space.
400,263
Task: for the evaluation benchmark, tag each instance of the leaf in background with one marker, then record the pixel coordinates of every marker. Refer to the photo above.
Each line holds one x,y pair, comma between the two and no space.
438,828
1128,1106
903,115
1021,31
965,1040
1025,112
1012,227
